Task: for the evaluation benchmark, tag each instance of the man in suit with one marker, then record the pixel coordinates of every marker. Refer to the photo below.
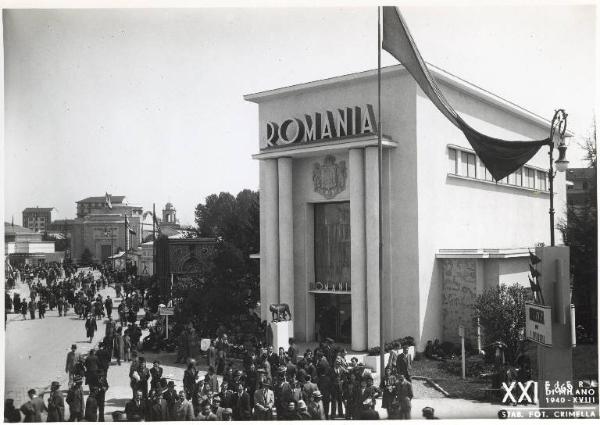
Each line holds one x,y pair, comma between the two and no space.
156,373
56,404
264,401
405,396
91,327
75,400
242,410
33,408
92,364
135,409
72,357
404,363
213,382
101,388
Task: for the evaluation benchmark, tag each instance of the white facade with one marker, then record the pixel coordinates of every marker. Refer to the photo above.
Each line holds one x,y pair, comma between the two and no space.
440,225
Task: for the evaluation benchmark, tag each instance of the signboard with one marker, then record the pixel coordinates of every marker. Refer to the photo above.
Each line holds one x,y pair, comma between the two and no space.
461,331
336,124
538,324
166,311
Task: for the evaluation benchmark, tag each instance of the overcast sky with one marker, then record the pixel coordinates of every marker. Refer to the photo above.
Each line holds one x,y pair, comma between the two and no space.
148,103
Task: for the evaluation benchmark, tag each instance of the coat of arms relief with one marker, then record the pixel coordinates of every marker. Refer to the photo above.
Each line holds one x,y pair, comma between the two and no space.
329,178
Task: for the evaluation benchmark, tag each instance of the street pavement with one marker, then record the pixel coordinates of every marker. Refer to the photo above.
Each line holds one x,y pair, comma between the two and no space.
36,350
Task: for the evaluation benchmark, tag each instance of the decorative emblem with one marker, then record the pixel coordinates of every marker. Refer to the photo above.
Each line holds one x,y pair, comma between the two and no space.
329,178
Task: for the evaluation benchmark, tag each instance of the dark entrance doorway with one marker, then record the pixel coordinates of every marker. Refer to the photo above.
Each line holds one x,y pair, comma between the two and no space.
106,252
333,317
332,271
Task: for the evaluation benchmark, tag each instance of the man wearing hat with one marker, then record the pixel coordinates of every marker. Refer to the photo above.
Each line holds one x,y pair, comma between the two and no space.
315,406
75,400
170,395
56,404
71,360
101,387
303,414
264,401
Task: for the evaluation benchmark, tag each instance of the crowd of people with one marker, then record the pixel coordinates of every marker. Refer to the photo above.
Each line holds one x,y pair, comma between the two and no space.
319,384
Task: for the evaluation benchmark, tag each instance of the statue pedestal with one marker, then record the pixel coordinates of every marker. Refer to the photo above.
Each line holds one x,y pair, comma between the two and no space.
282,332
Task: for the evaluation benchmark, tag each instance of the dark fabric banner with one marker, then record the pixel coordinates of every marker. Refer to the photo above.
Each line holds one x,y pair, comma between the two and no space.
500,157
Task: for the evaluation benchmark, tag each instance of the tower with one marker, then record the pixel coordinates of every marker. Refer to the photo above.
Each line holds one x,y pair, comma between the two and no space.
169,214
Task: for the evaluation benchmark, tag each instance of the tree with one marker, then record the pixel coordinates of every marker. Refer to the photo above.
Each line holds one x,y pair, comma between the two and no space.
226,291
580,233
86,256
501,313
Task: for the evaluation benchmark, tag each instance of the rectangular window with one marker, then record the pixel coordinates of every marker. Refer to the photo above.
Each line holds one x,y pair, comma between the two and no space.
519,177
488,176
467,164
452,163
541,176
529,178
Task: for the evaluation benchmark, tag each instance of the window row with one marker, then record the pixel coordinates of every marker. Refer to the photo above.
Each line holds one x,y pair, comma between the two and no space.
467,164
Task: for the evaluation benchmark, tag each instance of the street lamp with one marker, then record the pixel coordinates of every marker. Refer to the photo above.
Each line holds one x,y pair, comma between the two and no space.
558,129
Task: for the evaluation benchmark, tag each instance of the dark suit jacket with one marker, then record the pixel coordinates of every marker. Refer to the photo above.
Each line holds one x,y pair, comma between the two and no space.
134,412
242,410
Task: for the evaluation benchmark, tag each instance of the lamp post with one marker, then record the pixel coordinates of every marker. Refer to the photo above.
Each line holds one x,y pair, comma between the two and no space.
557,139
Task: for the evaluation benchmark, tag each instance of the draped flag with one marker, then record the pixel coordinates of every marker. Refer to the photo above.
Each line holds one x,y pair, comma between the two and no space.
108,200
500,157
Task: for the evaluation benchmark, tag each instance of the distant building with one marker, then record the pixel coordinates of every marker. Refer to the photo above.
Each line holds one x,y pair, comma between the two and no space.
582,185
38,219
100,227
25,246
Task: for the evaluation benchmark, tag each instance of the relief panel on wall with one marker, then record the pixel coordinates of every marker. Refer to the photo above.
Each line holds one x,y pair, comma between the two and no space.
458,297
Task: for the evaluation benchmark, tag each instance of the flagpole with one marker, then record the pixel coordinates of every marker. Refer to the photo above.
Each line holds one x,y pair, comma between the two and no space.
153,238
380,181
126,245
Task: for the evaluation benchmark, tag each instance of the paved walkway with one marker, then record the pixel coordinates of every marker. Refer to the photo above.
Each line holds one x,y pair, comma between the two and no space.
36,350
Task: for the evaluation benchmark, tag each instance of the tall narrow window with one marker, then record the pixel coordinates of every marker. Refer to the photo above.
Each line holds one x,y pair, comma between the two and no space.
467,164
541,178
519,177
452,162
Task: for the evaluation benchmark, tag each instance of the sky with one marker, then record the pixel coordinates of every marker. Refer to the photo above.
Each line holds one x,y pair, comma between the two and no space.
148,103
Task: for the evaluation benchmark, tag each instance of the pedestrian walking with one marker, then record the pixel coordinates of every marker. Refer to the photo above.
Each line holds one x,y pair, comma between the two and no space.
101,388
24,309
91,406
118,346
109,306
32,309
56,404
404,396
126,347
91,327
72,358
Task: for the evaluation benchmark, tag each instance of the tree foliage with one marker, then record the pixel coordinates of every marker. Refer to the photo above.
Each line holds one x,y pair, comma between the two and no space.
501,313
580,233
228,288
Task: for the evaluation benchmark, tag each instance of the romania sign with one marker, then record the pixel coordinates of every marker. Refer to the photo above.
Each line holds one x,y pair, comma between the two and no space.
538,324
343,122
